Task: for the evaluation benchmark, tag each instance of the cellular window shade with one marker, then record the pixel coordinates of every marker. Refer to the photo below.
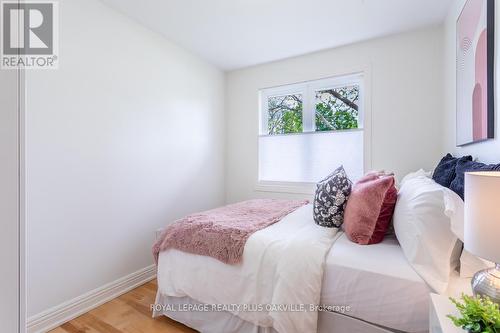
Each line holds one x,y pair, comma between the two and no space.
309,157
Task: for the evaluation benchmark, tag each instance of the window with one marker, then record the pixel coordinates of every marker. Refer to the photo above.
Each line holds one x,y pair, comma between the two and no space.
284,114
308,129
337,108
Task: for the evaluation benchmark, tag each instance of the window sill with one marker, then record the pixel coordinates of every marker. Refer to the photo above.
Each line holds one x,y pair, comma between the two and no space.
285,187
359,129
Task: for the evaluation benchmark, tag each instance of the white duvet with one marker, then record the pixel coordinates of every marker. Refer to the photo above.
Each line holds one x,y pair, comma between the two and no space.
278,280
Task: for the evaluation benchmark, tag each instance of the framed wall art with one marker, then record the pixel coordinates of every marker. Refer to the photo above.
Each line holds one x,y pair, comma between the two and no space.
475,72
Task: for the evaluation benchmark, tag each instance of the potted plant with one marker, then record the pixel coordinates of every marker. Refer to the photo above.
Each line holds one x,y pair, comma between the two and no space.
478,315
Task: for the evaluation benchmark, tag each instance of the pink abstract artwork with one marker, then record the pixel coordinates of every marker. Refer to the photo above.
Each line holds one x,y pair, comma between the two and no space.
474,109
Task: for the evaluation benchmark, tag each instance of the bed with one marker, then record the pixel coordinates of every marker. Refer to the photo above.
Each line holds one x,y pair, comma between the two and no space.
367,288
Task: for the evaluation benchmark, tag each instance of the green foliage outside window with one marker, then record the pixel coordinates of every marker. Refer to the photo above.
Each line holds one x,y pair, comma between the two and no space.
285,114
336,109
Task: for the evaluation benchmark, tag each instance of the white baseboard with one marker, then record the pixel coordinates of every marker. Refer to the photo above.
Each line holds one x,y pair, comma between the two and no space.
71,309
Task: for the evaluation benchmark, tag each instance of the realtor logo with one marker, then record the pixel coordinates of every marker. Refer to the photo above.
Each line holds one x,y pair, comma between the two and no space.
29,34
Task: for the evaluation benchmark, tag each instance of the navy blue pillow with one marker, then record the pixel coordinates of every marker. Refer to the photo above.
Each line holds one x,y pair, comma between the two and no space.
445,171
457,185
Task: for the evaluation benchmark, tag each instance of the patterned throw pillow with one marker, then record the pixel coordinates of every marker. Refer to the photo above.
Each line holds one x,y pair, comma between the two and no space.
331,198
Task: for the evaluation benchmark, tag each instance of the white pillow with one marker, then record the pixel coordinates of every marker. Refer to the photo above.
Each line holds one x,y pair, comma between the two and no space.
416,174
454,209
470,264
423,231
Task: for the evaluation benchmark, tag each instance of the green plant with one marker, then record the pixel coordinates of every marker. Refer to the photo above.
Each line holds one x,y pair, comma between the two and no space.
479,315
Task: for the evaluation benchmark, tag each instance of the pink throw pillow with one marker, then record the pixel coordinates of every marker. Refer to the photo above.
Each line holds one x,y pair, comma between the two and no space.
370,208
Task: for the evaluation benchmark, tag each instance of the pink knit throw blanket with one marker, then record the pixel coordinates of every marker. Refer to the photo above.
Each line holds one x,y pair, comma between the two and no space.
222,232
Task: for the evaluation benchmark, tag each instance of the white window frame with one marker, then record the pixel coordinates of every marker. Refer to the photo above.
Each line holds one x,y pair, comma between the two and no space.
308,89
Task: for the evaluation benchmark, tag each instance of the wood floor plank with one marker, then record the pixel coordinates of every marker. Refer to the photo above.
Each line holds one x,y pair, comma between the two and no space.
59,330
77,326
100,325
151,287
129,313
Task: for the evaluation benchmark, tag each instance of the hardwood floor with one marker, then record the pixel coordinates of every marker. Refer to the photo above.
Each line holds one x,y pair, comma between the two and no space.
129,313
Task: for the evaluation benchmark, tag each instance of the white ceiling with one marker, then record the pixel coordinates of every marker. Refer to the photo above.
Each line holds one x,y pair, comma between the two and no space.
238,33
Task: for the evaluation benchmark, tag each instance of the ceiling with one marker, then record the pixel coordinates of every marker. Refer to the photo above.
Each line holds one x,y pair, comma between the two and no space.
237,33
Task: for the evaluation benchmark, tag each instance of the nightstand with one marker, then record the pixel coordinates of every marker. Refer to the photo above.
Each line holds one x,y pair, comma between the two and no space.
440,307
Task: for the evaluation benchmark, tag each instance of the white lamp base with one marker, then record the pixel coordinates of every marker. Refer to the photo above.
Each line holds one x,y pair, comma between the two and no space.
487,283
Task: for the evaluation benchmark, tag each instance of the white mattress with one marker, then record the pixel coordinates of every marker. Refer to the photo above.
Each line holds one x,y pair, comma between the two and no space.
377,283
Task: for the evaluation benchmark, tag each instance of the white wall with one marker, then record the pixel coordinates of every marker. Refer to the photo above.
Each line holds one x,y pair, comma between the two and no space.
126,136
488,151
406,103
9,203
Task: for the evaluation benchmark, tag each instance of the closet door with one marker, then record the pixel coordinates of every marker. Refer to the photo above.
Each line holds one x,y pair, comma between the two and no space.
9,201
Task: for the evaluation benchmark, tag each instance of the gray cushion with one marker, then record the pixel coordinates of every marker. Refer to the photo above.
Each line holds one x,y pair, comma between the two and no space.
331,198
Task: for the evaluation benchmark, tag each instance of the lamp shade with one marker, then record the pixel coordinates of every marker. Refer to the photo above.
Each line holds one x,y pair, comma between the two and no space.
482,215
